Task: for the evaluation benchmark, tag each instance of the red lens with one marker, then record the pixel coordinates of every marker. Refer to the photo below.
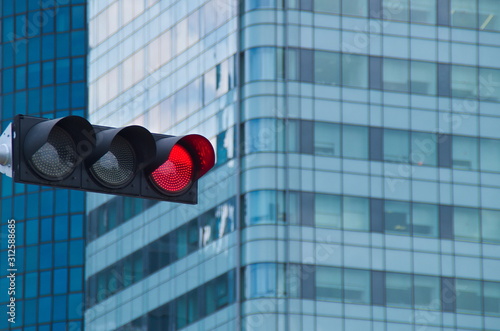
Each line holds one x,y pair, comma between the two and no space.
175,174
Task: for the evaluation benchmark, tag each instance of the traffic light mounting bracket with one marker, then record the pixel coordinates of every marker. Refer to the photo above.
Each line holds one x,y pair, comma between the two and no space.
6,151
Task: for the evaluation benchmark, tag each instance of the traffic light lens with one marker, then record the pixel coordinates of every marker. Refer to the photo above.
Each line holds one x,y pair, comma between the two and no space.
56,159
116,168
175,174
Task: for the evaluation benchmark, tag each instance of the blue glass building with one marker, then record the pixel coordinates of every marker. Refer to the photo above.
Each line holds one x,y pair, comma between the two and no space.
357,184
43,54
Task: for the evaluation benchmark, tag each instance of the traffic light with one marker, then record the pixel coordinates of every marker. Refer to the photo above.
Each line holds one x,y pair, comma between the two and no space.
71,153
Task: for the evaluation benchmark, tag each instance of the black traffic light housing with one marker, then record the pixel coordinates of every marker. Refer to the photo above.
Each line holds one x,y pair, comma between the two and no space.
69,152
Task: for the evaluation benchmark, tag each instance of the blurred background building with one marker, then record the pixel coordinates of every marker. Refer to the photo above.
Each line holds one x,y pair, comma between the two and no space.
43,55
358,152
357,180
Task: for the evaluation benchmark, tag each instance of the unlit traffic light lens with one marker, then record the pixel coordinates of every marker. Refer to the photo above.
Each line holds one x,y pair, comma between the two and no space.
57,158
116,168
175,174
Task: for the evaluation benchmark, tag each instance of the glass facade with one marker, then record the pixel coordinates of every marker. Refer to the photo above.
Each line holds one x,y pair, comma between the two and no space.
43,61
358,168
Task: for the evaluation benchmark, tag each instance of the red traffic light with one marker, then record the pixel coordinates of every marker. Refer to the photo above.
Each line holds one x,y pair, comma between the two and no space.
179,163
175,174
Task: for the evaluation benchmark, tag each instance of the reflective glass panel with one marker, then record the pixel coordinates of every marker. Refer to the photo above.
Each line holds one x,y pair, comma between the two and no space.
423,77
423,11
489,15
326,68
490,221
490,155
465,153
260,135
466,223
425,220
469,296
327,6
357,286
260,64
328,283
260,207
492,298
396,146
464,82
398,290
396,75
327,211
397,217
464,13
423,149
326,139
355,7
427,292
356,213
396,10
354,70
489,83
355,141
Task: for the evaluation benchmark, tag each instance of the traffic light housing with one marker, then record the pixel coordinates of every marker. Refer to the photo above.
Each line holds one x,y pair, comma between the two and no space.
71,153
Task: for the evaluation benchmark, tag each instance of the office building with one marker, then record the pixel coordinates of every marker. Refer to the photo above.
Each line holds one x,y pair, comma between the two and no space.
357,180
43,57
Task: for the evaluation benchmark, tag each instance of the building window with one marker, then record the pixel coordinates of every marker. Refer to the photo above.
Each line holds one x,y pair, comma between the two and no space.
261,207
489,15
398,290
356,213
465,153
259,4
396,75
469,296
423,11
260,64
464,82
489,86
490,155
423,77
355,7
464,14
425,219
260,135
327,211
466,223
357,286
264,280
397,217
355,70
328,283
396,146
326,68
490,224
396,10
492,298
327,139
355,141
424,149
225,146
427,292
327,6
